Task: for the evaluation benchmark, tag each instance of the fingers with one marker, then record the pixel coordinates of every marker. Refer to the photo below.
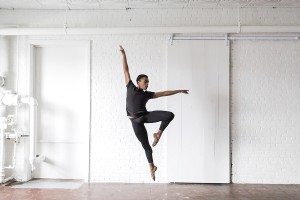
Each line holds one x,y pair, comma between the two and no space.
183,91
122,50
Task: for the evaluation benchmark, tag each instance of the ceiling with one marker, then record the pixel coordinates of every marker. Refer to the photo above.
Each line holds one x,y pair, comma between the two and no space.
143,4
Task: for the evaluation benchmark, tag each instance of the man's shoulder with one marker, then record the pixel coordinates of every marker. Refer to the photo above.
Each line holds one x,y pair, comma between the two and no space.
130,84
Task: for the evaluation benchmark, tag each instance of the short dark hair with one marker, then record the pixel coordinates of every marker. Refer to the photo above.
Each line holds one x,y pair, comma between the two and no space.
140,77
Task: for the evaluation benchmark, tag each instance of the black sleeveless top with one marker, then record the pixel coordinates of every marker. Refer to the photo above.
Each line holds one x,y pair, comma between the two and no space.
136,100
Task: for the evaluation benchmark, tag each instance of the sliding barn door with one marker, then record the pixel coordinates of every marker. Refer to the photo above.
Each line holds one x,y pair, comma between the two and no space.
198,138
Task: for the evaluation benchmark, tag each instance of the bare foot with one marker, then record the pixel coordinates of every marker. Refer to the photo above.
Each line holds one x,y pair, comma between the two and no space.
153,170
156,137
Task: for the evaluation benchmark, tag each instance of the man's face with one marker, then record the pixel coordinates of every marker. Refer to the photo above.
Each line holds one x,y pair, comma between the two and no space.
143,83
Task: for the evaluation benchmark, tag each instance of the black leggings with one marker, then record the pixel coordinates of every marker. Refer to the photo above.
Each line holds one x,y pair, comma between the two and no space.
141,133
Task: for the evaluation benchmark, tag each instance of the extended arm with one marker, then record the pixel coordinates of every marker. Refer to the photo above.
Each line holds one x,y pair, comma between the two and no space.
168,93
125,66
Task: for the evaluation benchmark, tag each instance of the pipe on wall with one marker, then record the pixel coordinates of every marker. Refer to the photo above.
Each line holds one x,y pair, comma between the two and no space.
235,37
12,99
2,153
2,157
4,49
149,30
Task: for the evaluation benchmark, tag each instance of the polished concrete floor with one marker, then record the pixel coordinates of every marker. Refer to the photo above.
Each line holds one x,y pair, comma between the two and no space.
98,191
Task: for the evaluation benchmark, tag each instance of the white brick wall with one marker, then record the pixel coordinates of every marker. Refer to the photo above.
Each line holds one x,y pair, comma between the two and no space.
265,85
264,90
111,129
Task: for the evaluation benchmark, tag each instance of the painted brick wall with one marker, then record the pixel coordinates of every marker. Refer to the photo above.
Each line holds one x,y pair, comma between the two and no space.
265,114
111,130
264,90
116,154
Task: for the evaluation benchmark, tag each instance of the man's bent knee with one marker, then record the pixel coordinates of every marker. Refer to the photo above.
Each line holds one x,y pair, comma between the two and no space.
171,116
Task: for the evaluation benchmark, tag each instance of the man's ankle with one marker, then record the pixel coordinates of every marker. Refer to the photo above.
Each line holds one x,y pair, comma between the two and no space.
151,165
158,134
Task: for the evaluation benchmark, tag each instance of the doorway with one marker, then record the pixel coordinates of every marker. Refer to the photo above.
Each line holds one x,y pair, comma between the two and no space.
62,89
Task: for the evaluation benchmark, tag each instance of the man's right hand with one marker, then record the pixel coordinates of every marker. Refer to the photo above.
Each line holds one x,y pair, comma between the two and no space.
122,50
125,66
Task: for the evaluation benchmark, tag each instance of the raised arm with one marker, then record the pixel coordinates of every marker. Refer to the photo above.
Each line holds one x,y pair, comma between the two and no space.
168,93
125,66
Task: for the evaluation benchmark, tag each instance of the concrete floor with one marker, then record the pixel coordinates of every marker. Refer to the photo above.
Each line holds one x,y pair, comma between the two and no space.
98,191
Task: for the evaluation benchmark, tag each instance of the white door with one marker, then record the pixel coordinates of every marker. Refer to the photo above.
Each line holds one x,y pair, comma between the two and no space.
198,138
63,94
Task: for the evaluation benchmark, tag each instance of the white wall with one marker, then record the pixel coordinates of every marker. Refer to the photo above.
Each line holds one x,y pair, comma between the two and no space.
265,81
265,112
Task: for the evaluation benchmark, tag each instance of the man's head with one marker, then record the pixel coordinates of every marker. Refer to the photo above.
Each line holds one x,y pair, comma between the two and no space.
142,81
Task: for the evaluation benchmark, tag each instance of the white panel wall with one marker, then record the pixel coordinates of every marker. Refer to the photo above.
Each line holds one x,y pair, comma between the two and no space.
198,143
265,145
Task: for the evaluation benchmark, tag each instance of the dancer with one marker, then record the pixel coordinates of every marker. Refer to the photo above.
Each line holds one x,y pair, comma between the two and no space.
136,100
